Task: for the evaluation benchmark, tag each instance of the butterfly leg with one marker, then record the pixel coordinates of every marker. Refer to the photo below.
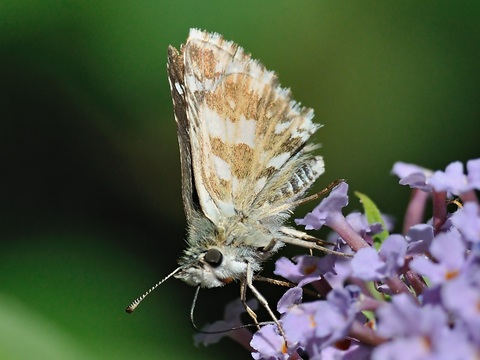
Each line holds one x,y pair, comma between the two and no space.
248,309
263,301
299,238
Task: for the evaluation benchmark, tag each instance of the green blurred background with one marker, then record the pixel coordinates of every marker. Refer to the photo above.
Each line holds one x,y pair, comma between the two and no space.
90,198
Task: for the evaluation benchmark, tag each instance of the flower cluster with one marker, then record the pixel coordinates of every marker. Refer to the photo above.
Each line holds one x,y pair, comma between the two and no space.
414,295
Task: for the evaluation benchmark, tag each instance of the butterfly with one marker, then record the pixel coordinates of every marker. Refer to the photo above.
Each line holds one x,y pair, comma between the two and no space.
246,163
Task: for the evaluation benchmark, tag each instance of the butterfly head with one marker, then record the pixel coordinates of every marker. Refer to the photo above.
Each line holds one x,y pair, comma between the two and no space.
214,256
211,267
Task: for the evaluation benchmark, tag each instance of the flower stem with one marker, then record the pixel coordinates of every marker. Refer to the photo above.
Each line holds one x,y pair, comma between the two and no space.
338,223
365,334
415,209
439,210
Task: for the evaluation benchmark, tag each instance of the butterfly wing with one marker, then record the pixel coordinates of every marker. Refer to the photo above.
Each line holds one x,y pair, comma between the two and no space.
245,136
177,87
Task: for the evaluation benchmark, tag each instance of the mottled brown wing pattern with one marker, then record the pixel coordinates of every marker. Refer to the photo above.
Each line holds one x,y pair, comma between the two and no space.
247,136
245,163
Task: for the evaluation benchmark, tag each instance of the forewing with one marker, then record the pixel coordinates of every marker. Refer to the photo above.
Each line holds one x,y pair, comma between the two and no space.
177,87
247,135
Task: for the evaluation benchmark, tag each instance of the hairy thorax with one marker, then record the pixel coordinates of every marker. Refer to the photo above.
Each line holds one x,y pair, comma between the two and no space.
218,254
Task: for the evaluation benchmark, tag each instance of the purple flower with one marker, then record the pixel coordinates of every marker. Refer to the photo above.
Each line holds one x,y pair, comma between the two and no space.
449,251
329,212
473,169
369,265
412,175
419,333
403,317
393,252
269,344
335,322
316,325
328,208
448,344
359,223
466,306
433,318
419,239
343,270
467,221
299,322
305,270
454,180
291,298
346,350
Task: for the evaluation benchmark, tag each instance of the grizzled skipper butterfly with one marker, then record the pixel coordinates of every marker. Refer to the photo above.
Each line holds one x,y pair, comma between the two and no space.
245,163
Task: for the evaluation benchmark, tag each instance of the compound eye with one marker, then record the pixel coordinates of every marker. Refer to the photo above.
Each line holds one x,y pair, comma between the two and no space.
213,257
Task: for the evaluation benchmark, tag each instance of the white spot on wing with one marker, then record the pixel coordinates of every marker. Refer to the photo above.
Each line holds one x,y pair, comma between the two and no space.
179,88
304,130
233,68
260,184
217,126
300,133
222,168
226,208
260,78
246,132
239,132
281,127
319,166
193,85
278,161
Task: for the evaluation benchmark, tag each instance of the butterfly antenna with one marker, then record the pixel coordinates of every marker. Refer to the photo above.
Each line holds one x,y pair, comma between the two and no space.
192,309
130,308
